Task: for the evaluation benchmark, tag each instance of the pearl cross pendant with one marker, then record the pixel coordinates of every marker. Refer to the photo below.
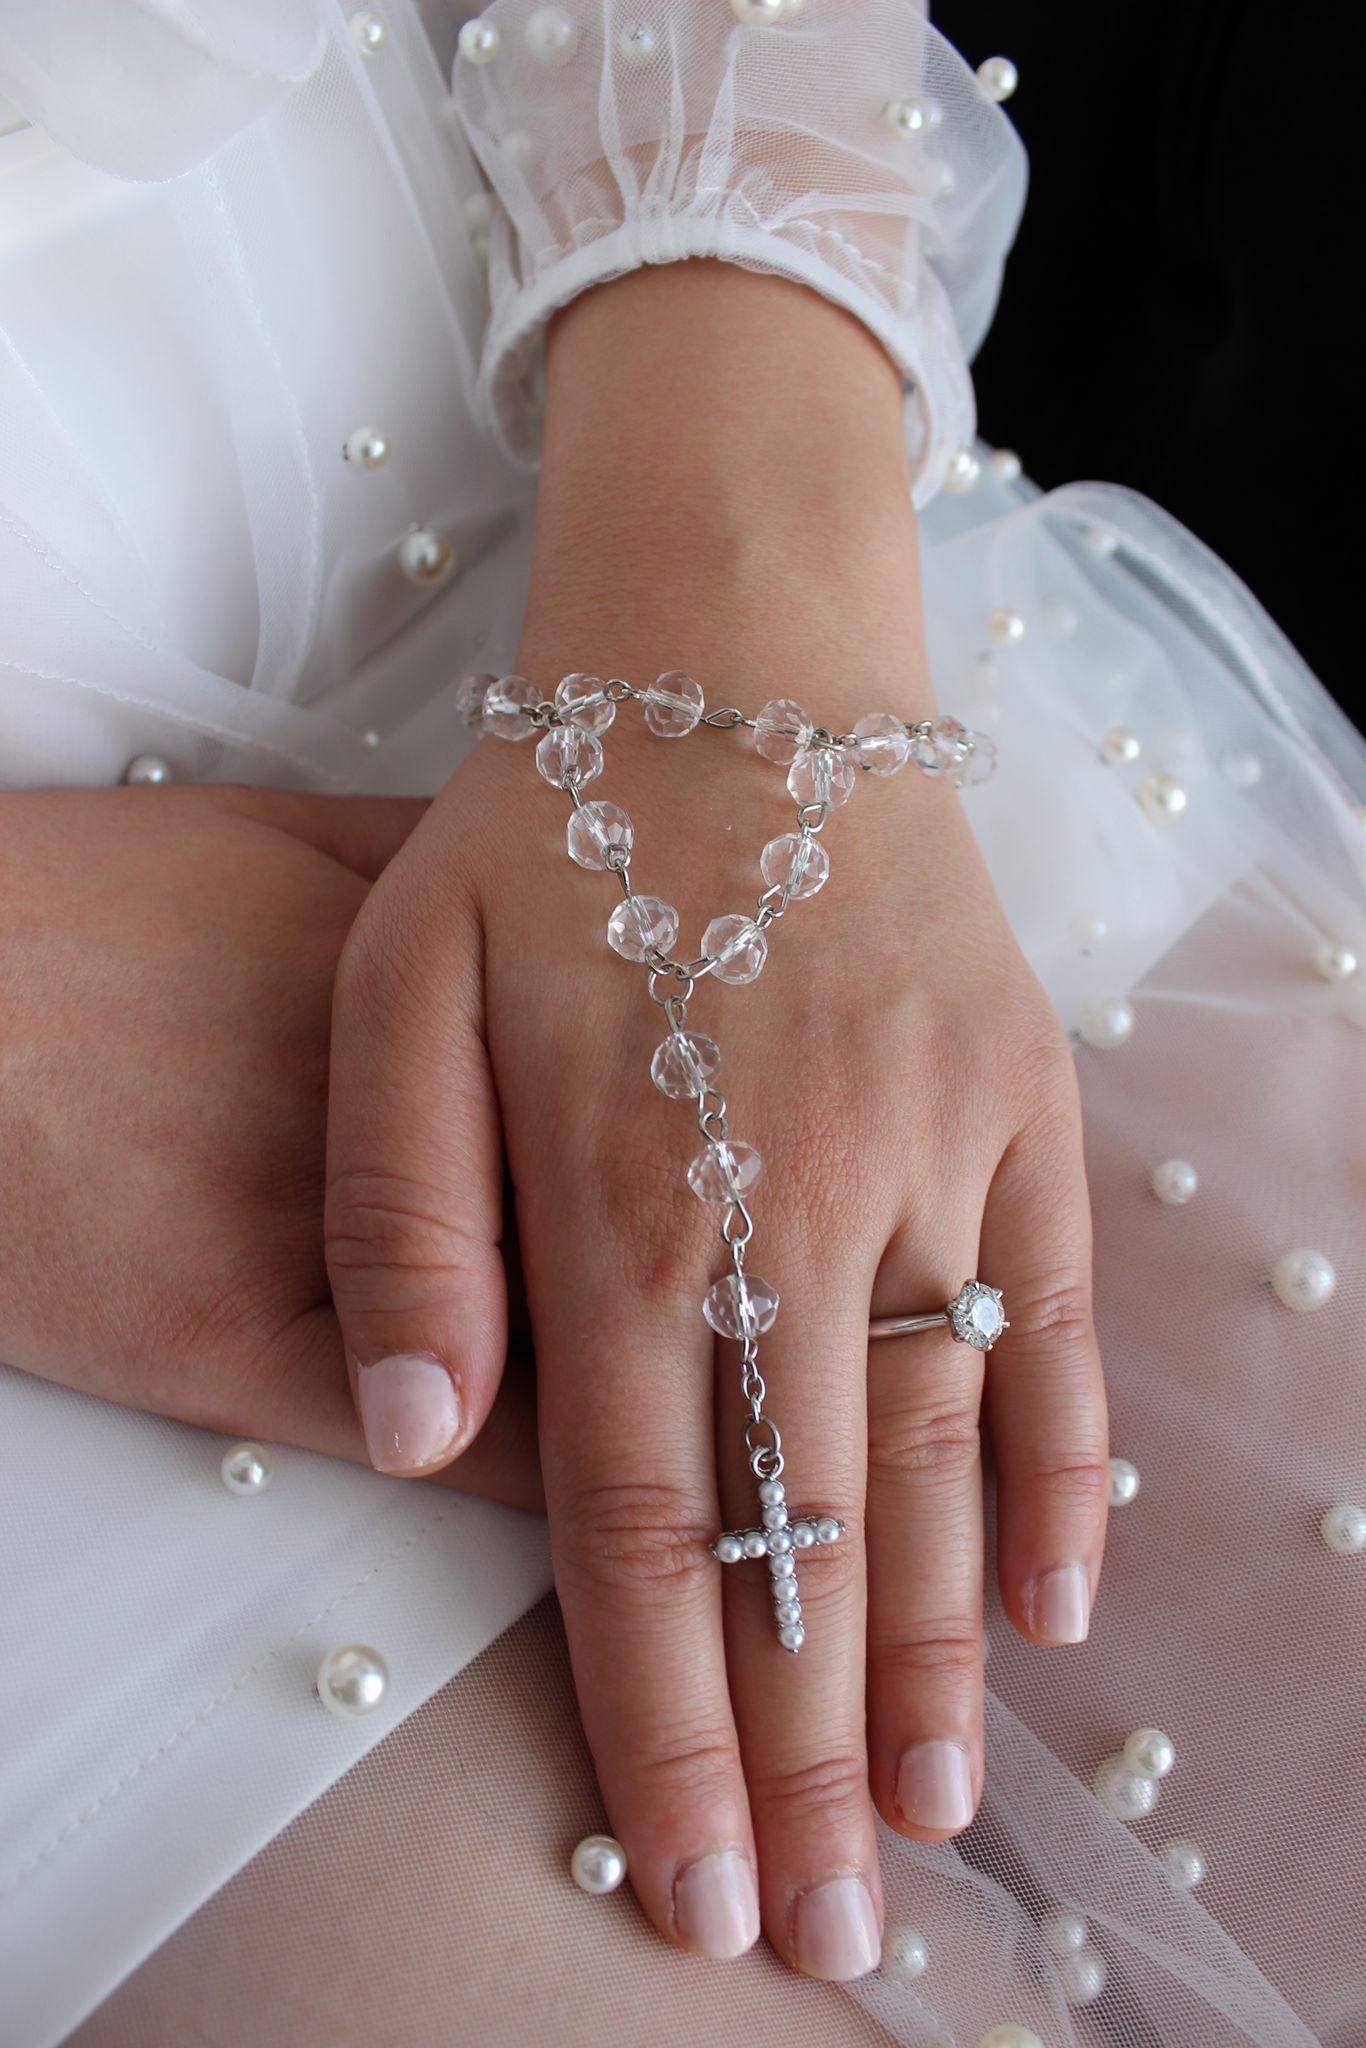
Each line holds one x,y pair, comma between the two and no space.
779,1540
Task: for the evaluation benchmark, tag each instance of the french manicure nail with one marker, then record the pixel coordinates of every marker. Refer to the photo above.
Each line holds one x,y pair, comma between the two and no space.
836,1933
934,1785
716,1904
409,1410
1058,1605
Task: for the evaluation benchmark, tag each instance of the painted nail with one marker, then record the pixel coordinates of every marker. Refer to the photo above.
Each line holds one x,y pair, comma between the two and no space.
1058,1606
716,1904
409,1410
934,1785
836,1930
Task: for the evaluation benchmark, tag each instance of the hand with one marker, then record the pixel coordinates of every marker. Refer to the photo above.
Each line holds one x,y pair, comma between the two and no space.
896,1066
166,968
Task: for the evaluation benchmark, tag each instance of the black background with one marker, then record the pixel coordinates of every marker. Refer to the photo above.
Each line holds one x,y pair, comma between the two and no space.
1176,314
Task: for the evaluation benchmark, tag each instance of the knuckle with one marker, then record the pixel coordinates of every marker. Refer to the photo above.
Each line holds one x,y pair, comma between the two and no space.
926,1442
685,1763
1053,1315
378,1224
625,1538
948,1647
827,1787
1072,1481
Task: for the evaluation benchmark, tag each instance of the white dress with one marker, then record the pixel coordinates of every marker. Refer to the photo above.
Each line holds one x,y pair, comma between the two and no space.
234,234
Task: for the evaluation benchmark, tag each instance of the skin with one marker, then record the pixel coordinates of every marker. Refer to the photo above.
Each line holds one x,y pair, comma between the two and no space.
724,490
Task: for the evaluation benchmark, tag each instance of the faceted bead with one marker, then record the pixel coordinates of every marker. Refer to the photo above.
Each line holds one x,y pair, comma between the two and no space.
944,749
673,705
594,830
725,1172
737,946
470,692
980,765
684,1064
741,1305
567,755
821,776
586,703
782,731
506,704
639,925
883,743
804,861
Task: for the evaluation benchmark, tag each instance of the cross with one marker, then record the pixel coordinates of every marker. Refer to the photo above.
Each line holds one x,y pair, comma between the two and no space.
779,1540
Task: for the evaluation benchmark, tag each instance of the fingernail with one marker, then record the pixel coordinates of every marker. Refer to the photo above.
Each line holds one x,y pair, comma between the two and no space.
934,1785
409,1410
836,1933
1058,1605
716,1904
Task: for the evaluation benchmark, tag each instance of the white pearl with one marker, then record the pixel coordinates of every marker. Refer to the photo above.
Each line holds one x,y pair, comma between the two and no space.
478,212
754,1544
1149,1752
637,42
372,737
1090,930
1303,1279
758,13
1161,796
598,1863
367,448
791,1635
1010,2036
772,1493
998,78
1119,744
1184,1864
1100,540
1244,771
1343,1529
729,1549
1334,962
425,557
906,118
1175,1182
964,469
804,1535
246,1468
1062,1934
905,1954
1124,1482
1005,464
1082,1977
352,1681
827,1529
369,33
551,35
1106,1023
479,42
1004,626
1123,1791
521,147
1062,620
148,768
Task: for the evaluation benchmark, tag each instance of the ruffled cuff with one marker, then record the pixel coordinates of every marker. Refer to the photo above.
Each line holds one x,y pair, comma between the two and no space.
846,147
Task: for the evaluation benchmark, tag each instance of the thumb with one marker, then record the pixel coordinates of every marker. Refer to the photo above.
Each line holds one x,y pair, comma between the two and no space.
414,1170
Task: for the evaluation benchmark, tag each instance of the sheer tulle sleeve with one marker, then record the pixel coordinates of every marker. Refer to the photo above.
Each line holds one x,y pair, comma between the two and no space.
852,150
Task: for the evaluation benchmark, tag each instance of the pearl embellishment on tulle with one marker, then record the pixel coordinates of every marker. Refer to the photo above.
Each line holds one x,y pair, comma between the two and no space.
1184,1864
1161,797
1244,771
1119,744
1010,2036
551,35
1335,963
148,768
1303,1279
1124,1482
905,1954
758,13
479,42
637,42
964,470
1005,626
246,1469
1151,1753
1343,1529
1005,465
352,1681
906,118
369,33
598,1864
1175,1181
998,78
1106,1023
1082,1976
1062,1934
366,448
425,556
1126,1793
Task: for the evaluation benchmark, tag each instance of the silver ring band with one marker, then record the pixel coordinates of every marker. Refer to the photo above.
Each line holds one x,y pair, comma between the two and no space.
975,1316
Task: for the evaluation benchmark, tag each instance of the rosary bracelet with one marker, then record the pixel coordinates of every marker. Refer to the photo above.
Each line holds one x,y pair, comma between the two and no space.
822,768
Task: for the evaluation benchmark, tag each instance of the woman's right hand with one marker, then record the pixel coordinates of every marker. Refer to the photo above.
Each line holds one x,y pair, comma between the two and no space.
166,967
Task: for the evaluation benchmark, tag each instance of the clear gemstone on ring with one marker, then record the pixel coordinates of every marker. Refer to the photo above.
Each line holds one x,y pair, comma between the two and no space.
976,1315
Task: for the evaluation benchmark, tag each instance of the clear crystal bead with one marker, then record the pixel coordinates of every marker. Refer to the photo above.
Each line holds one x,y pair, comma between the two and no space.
821,776
673,705
567,755
980,764
883,743
506,704
640,924
585,703
684,1064
806,860
737,946
594,829
782,731
470,692
943,749
741,1305
725,1172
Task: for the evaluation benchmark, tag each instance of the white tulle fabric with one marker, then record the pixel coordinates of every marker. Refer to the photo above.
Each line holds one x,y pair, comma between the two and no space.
253,240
